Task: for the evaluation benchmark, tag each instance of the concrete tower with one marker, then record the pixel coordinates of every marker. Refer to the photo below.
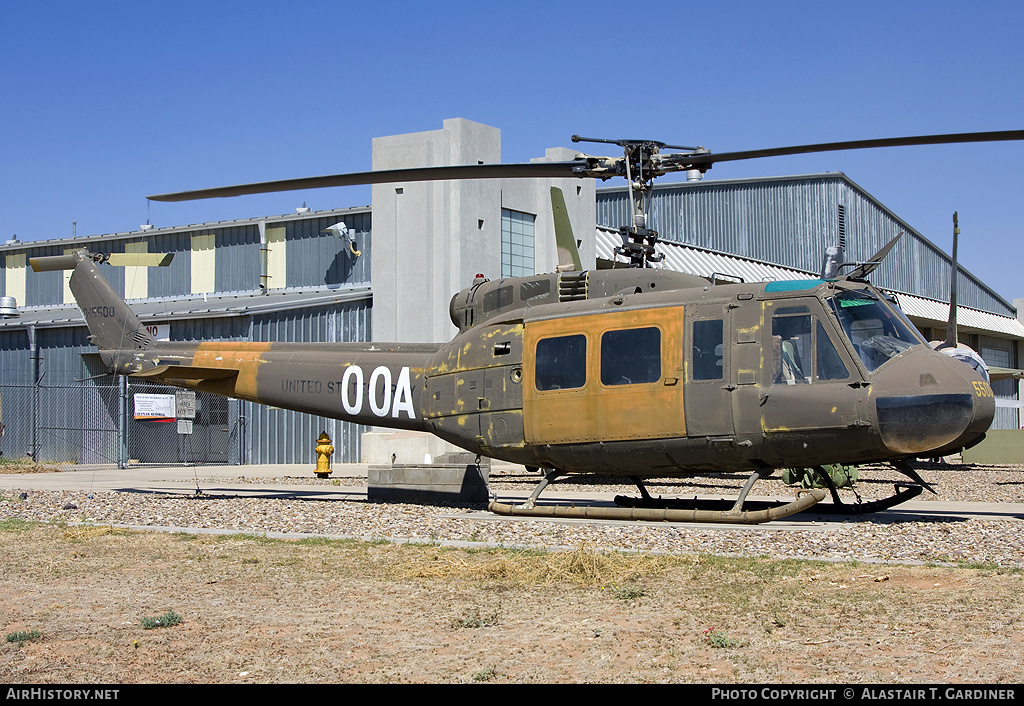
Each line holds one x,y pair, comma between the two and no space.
431,238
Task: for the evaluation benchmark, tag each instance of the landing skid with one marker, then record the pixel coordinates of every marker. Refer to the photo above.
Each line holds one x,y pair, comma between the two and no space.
902,492
647,508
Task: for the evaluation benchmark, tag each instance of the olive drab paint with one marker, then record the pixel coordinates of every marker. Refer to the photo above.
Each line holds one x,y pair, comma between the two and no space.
648,372
636,372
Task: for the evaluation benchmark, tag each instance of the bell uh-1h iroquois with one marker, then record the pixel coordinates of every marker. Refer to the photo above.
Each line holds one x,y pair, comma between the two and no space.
636,371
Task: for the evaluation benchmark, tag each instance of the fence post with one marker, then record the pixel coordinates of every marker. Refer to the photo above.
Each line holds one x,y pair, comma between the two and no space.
241,432
122,422
33,348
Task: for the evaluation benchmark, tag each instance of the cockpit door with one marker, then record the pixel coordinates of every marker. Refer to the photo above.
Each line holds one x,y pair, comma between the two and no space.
809,383
709,384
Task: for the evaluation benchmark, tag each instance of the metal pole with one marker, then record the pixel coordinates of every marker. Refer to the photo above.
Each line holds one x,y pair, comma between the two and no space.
241,433
33,348
122,422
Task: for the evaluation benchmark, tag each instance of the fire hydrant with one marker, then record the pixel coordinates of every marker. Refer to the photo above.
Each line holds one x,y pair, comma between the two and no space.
324,451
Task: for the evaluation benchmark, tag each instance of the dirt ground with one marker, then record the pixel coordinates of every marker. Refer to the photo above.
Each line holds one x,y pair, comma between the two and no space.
73,600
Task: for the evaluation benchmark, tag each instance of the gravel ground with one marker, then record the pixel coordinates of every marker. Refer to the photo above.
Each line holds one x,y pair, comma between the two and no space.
912,538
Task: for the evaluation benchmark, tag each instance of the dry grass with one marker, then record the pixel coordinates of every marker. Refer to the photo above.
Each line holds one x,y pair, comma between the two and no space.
580,567
25,465
259,610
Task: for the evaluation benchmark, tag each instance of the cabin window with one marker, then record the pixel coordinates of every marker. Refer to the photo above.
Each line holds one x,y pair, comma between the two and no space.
830,365
497,299
561,362
791,348
534,289
631,356
707,349
802,351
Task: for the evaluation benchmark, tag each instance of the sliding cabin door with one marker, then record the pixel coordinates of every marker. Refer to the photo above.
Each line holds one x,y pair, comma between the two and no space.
604,377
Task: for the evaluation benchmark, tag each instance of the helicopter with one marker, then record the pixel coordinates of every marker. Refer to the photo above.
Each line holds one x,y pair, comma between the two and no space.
636,371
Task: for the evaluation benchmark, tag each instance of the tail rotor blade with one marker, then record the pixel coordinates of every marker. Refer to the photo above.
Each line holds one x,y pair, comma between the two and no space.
140,259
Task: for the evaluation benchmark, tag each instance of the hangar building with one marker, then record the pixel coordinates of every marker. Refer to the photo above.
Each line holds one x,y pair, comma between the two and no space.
386,272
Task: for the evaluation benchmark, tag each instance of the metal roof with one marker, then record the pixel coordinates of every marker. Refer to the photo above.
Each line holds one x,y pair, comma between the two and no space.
84,240
706,263
197,306
790,220
967,319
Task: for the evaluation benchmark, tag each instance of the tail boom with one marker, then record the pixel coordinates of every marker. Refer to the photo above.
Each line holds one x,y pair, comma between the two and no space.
361,383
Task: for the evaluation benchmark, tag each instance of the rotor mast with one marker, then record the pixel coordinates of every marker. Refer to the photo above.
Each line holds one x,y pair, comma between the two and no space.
640,165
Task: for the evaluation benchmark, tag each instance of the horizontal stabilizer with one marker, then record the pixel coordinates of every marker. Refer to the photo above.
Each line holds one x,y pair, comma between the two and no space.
187,372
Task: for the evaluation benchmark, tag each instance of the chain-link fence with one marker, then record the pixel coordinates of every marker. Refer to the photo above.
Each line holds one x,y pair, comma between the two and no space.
121,423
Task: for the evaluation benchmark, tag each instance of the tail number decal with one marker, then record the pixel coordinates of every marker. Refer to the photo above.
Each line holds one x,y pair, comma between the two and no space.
382,401
105,312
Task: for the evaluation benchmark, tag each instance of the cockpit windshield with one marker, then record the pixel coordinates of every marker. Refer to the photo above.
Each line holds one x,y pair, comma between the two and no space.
877,332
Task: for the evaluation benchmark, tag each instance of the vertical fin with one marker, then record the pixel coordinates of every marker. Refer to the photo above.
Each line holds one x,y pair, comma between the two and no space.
112,325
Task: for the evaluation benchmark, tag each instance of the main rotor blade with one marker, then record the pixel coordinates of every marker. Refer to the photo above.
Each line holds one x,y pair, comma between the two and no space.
466,171
600,167
699,160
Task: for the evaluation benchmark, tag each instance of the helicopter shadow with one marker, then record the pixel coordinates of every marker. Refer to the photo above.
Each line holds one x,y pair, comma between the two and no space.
259,492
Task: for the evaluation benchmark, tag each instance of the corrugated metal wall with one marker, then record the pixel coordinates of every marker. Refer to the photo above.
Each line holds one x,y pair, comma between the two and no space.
314,259
173,280
282,436
790,221
15,364
318,259
50,417
238,259
258,434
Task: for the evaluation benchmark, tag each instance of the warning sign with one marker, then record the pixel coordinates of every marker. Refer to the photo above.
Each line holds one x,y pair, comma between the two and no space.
185,404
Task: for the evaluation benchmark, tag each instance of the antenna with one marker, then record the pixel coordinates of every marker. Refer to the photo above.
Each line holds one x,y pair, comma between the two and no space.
951,337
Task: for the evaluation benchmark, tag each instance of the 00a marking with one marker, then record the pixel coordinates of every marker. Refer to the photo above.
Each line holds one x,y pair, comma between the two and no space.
382,401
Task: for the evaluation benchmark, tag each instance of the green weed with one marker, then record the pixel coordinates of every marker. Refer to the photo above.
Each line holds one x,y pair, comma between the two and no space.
476,620
717,638
23,636
166,620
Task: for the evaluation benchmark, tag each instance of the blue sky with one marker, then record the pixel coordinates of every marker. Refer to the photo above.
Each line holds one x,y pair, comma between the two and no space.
107,102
